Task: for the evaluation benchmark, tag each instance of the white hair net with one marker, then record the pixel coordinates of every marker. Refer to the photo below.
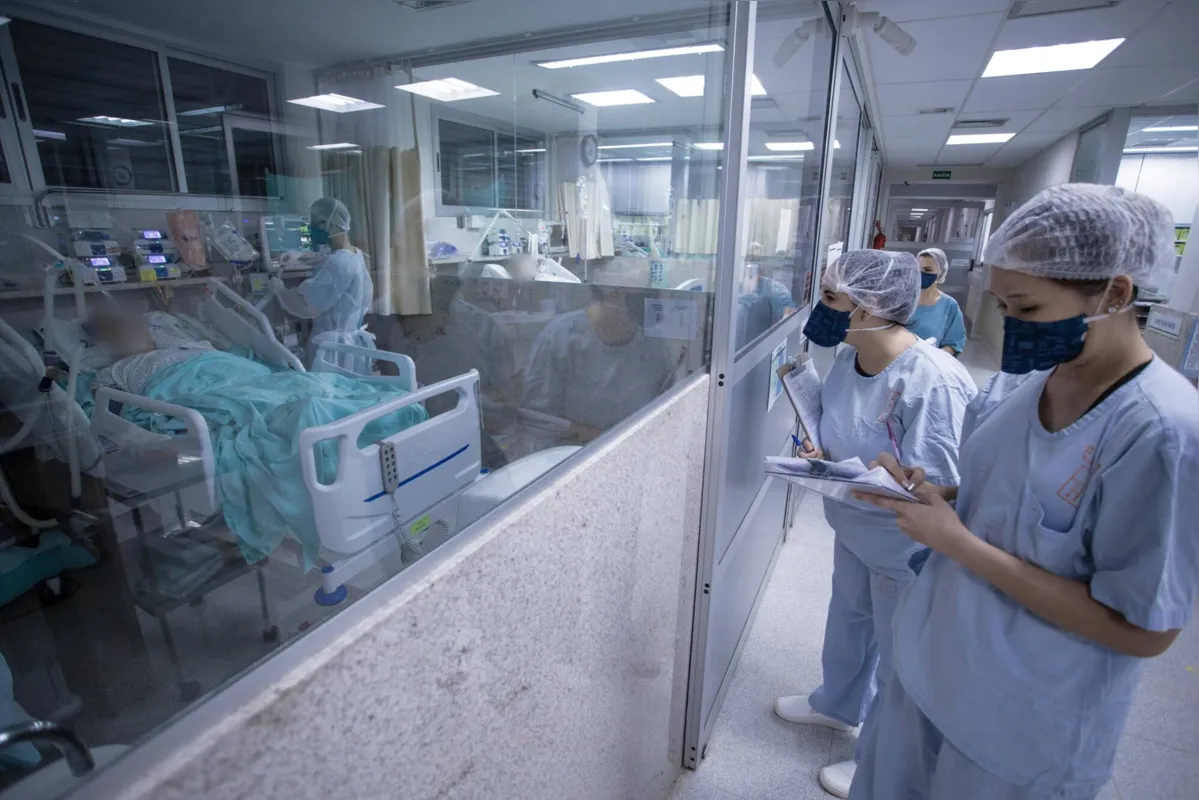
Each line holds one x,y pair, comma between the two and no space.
1084,231
885,283
331,214
940,259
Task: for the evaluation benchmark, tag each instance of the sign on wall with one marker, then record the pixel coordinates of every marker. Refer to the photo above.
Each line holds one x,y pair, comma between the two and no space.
942,174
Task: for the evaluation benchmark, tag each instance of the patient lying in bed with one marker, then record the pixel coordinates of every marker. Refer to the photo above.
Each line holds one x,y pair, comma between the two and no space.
254,416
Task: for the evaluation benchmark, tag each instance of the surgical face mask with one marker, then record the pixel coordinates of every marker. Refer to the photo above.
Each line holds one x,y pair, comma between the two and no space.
1030,346
318,237
927,279
828,327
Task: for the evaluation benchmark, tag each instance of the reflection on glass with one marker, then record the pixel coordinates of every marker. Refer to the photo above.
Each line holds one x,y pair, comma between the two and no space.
350,328
839,204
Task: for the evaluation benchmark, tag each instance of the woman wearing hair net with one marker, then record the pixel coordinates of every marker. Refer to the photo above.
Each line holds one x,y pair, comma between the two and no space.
937,316
1072,555
338,295
887,386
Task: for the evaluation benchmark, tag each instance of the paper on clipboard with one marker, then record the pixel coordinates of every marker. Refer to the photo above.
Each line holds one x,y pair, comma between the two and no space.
802,386
837,479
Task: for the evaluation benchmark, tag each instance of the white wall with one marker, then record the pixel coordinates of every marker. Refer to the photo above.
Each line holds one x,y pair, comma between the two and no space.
1167,178
1047,168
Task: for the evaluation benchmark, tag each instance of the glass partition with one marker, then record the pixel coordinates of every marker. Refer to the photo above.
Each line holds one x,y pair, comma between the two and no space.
839,204
793,59
270,336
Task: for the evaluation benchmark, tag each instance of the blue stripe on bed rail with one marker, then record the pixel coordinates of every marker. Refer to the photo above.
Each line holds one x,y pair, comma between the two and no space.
424,471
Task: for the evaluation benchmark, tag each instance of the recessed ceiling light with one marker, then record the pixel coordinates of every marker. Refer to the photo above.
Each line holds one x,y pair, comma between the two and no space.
789,147
447,90
615,97
116,122
919,209
635,55
979,138
693,85
57,135
531,150
1171,128
1179,149
1054,58
709,145
613,160
134,142
201,112
776,158
337,146
338,103
656,158
632,146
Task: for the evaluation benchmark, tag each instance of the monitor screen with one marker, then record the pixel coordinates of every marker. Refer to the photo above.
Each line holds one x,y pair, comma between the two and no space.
100,262
151,234
286,232
156,259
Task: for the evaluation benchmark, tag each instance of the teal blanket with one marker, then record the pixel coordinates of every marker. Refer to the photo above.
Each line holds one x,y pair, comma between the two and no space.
254,418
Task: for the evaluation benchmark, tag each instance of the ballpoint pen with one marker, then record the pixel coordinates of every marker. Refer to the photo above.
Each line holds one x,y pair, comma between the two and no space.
895,452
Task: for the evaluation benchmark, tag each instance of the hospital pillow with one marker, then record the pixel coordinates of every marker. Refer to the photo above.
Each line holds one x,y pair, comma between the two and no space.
74,344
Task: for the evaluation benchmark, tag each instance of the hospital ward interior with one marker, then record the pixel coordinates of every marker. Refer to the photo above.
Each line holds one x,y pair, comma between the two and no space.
414,399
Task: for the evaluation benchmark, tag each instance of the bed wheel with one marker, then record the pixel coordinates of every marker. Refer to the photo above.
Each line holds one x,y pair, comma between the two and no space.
190,691
270,635
332,598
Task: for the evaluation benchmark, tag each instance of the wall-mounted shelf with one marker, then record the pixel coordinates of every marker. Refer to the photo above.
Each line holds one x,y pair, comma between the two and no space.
178,283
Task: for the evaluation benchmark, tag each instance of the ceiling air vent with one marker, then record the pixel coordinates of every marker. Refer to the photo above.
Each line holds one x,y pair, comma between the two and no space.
980,123
429,5
937,110
1040,8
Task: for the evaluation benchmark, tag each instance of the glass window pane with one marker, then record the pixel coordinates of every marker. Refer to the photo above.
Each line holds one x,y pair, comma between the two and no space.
468,168
785,162
838,204
521,170
96,109
204,96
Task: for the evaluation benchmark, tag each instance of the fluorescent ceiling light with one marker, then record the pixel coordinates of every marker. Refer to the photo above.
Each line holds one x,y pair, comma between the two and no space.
789,147
631,146
338,103
655,158
693,85
979,138
201,131
134,142
1179,149
1171,128
59,135
709,145
1054,58
636,55
613,160
918,209
116,122
614,97
776,158
531,150
447,90
200,112
337,146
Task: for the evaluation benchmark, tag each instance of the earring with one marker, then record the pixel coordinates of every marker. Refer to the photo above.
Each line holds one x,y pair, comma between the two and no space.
1112,309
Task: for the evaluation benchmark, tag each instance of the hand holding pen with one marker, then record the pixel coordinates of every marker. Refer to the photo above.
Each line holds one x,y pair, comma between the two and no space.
806,449
908,482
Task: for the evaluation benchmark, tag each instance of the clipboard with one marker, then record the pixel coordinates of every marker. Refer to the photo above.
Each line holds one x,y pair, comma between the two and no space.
802,385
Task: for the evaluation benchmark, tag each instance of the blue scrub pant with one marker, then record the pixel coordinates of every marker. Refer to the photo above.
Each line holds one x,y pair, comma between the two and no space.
856,661
905,757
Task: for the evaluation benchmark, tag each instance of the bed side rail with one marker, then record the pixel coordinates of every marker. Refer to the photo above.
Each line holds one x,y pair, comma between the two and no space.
241,323
404,364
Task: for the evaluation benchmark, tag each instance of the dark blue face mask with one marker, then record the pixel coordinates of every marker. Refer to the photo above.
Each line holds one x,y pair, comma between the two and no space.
927,279
1029,346
826,327
319,236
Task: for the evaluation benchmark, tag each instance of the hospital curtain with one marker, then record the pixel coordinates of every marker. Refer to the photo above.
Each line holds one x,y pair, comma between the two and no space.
770,222
380,182
587,213
695,227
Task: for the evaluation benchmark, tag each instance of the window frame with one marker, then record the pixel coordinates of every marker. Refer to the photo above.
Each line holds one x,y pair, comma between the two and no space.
29,182
484,123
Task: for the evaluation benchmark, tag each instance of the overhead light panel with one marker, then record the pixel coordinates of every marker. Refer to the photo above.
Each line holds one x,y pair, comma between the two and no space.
656,158
1053,58
693,85
531,150
56,135
613,160
635,55
337,103
918,209
709,145
776,158
614,97
447,90
789,147
203,112
1173,149
116,122
635,145
979,138
337,146
135,142
1171,128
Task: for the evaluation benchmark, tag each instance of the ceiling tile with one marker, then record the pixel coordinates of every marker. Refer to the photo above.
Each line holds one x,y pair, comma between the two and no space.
929,125
911,97
967,153
932,60
1127,86
1016,120
1169,38
1118,21
1018,92
1064,120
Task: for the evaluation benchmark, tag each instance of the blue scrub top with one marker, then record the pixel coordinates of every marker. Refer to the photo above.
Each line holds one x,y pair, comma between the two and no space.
941,321
1108,501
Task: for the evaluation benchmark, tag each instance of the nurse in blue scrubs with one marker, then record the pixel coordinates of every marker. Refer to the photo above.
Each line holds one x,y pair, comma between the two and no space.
1073,553
937,316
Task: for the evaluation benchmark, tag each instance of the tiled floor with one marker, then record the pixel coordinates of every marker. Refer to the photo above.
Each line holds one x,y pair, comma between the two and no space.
753,755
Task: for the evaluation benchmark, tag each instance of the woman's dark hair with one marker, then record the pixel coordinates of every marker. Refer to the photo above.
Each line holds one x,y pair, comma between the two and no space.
1092,288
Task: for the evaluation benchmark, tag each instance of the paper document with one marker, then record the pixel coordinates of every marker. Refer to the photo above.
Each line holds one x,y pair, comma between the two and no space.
802,385
837,479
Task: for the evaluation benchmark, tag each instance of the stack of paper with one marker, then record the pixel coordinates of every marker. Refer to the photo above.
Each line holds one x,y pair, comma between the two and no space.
837,479
802,385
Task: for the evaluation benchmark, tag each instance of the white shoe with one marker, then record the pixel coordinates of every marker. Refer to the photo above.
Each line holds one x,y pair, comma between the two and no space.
796,709
837,778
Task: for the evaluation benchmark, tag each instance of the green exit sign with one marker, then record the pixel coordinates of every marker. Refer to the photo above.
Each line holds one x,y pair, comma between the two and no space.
941,174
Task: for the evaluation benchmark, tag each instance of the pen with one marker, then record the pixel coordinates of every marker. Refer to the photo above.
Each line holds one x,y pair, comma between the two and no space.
895,451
